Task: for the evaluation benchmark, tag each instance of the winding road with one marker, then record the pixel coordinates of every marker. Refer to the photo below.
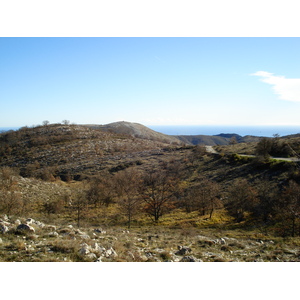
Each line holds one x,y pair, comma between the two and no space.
210,149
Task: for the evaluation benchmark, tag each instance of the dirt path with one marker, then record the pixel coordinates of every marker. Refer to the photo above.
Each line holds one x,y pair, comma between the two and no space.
210,149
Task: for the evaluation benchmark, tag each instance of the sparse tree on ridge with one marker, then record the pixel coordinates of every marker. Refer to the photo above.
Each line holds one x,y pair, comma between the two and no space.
66,122
46,123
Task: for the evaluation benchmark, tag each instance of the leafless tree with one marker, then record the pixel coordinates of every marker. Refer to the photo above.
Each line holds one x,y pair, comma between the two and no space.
101,190
241,198
158,191
126,186
289,207
204,197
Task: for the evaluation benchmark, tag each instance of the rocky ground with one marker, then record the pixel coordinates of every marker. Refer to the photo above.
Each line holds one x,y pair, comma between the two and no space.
34,241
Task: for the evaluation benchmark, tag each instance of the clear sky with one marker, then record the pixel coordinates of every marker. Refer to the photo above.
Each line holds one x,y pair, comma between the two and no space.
153,81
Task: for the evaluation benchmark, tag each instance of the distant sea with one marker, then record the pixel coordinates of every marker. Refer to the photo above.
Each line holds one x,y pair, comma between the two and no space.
267,131
8,128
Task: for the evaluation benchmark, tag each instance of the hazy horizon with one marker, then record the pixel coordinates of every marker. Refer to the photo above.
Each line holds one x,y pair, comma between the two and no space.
256,130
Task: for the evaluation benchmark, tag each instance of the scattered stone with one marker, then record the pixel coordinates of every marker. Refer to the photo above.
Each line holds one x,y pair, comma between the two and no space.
84,236
53,234
3,228
17,222
85,249
99,230
222,241
29,221
190,259
183,250
110,253
91,256
40,224
130,254
99,259
50,227
5,223
97,248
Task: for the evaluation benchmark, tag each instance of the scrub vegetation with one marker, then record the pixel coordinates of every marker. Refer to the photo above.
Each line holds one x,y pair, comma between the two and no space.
88,193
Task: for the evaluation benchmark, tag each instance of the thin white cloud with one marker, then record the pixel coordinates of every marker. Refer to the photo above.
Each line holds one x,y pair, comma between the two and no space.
287,88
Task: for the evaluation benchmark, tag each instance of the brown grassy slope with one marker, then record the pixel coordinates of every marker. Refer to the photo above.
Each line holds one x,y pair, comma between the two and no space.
73,149
136,130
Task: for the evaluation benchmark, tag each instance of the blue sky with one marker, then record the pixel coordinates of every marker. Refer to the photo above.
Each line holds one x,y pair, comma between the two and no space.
153,81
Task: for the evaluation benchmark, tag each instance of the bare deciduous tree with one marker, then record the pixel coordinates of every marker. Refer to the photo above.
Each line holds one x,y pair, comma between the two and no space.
289,207
101,191
158,192
241,198
204,197
126,186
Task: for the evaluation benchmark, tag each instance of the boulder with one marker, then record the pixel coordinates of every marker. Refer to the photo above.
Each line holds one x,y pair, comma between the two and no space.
26,228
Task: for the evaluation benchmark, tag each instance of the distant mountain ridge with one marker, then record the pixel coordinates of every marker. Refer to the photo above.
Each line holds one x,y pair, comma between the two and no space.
215,140
140,131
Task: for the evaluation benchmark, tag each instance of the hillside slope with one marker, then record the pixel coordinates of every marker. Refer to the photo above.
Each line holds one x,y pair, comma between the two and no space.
136,130
72,149
216,140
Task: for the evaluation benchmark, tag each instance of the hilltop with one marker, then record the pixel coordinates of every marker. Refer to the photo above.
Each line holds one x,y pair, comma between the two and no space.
77,149
136,130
